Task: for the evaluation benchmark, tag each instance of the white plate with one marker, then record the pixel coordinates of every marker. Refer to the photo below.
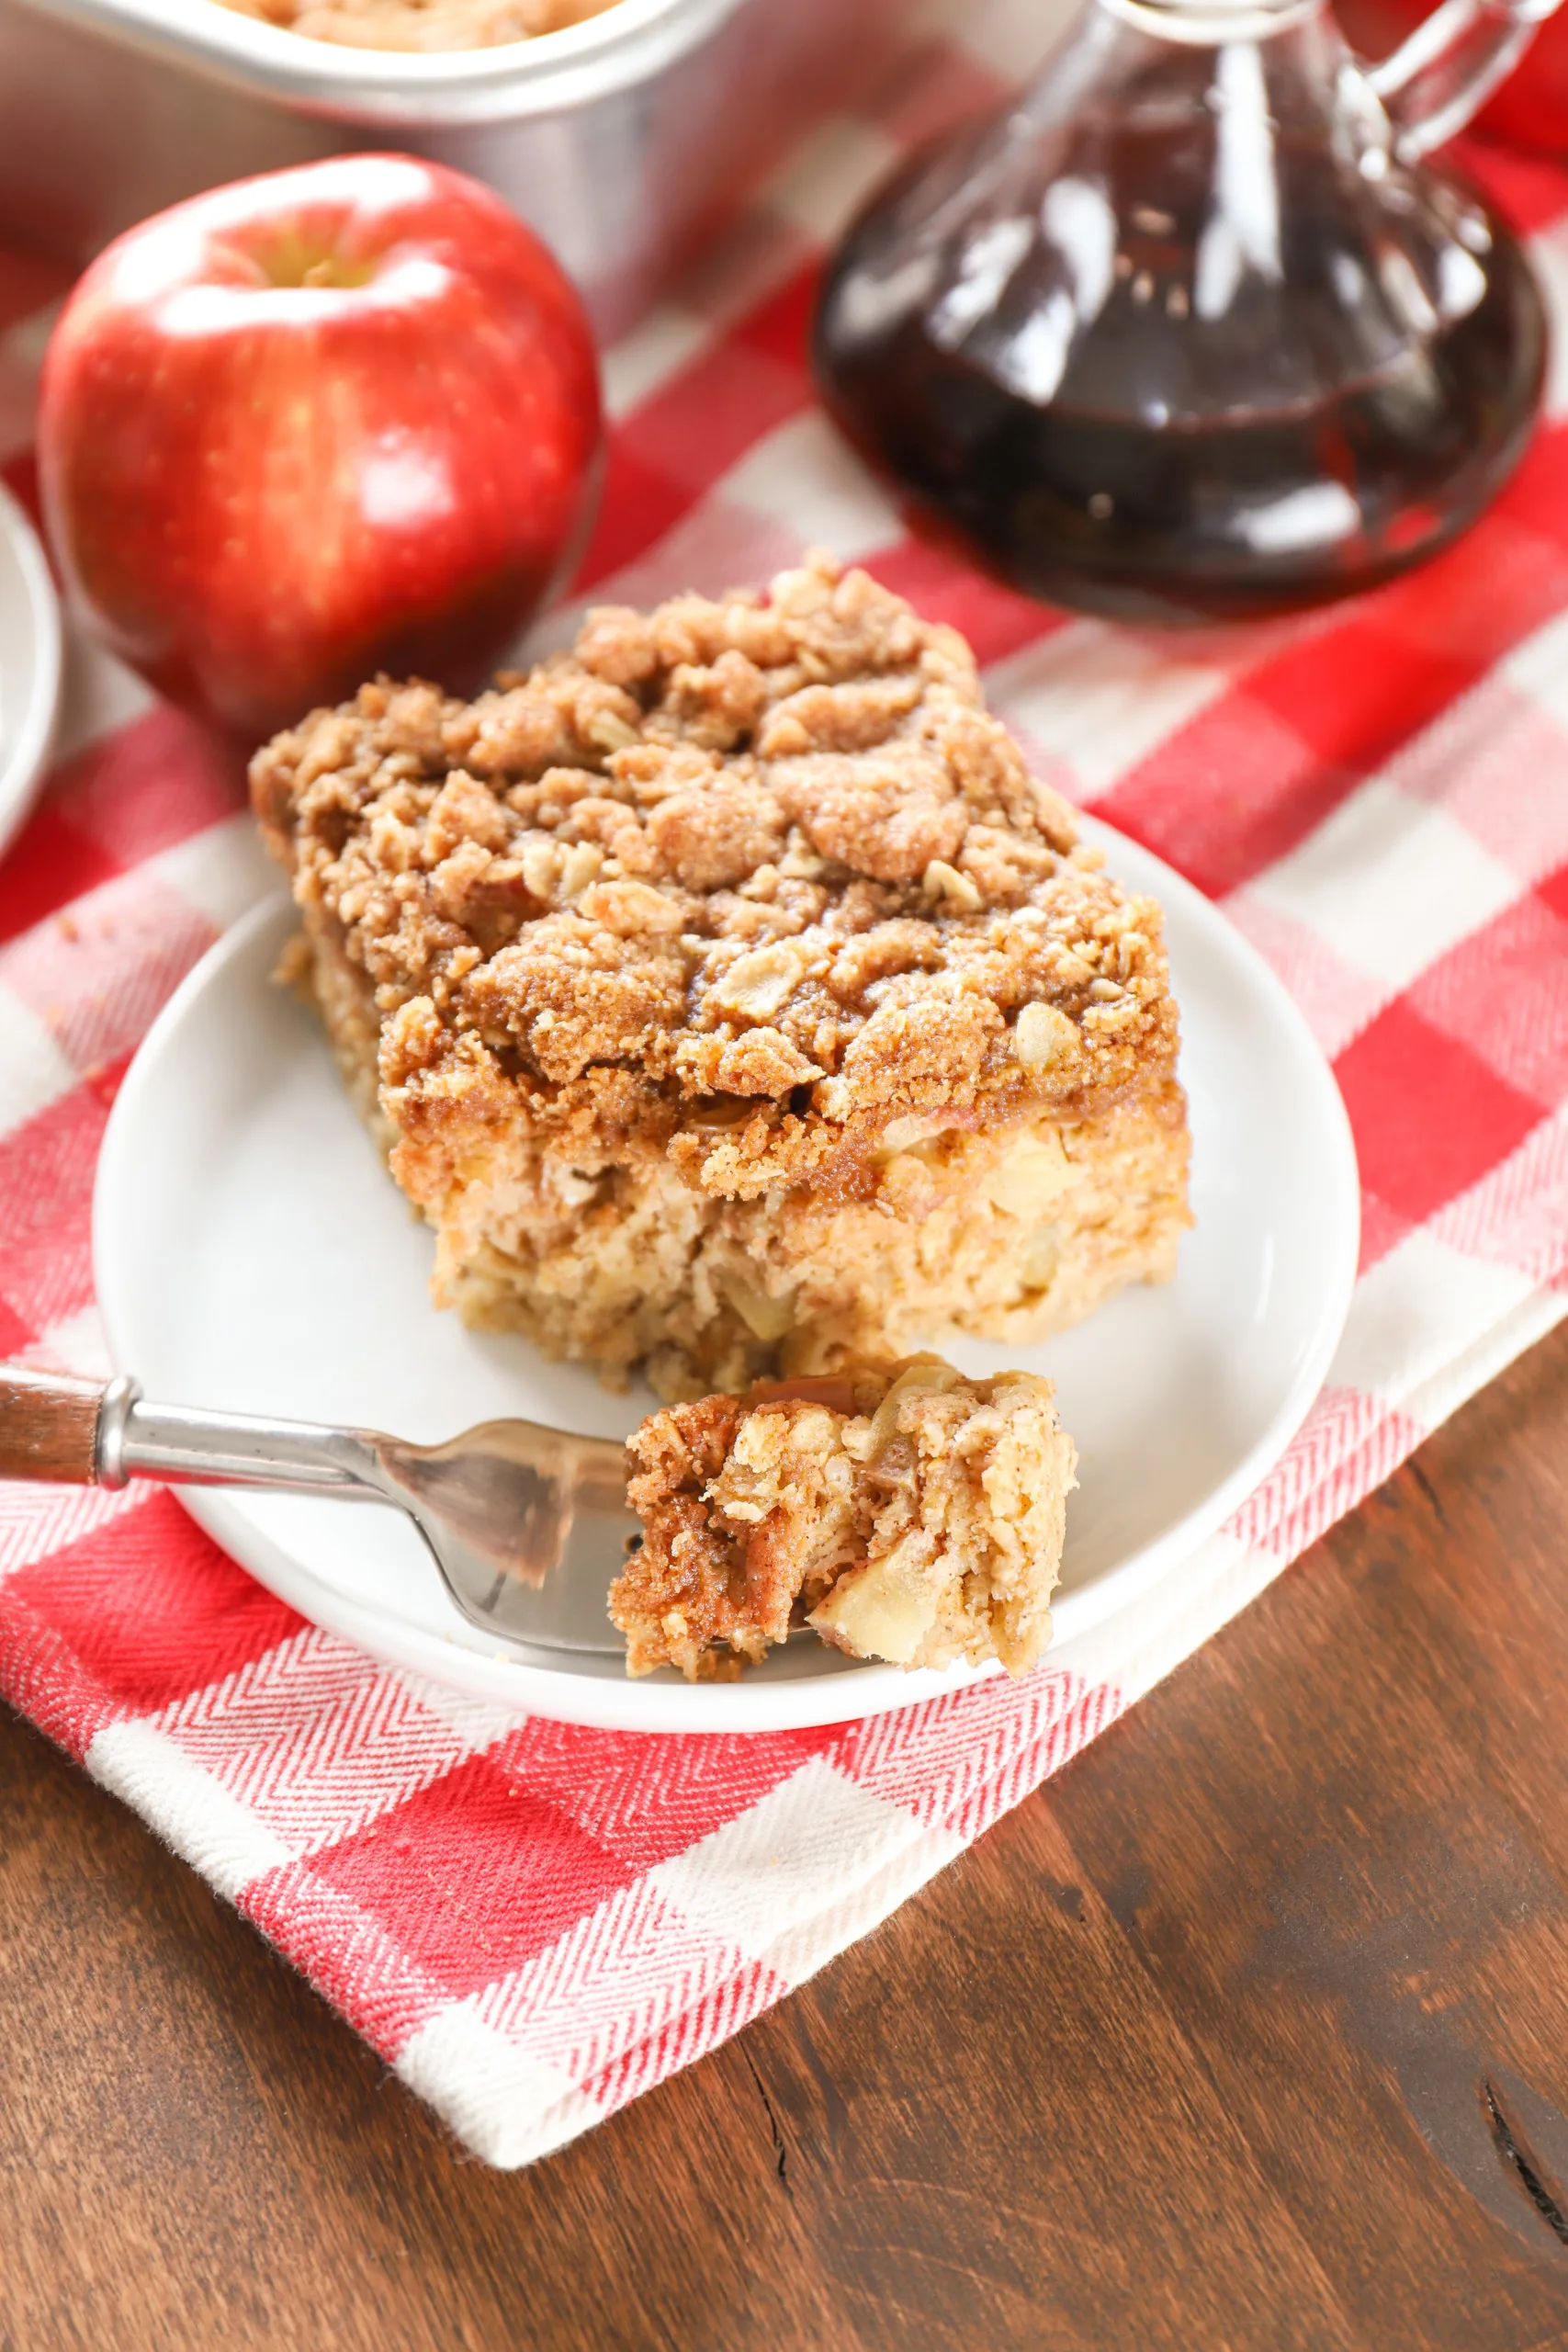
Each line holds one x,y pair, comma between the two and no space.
252,1253
30,664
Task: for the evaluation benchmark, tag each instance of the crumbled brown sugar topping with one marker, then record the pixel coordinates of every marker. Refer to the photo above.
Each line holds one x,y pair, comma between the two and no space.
745,868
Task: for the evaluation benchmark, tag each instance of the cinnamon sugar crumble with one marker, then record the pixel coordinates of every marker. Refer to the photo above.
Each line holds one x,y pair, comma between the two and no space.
738,908
899,1511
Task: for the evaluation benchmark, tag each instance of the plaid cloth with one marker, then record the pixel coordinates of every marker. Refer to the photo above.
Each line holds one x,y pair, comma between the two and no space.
531,1922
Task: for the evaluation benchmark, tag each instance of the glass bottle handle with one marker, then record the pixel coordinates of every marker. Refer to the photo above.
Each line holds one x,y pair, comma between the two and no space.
1454,59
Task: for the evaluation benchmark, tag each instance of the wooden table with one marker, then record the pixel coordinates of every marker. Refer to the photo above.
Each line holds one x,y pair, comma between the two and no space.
1250,2030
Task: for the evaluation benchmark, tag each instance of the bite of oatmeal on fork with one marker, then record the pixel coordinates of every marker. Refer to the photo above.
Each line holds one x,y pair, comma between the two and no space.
899,1511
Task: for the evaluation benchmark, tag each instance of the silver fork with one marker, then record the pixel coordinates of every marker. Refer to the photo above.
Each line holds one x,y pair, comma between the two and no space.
525,1524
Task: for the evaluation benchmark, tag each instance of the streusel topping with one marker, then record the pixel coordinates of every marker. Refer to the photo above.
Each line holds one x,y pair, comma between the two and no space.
743,879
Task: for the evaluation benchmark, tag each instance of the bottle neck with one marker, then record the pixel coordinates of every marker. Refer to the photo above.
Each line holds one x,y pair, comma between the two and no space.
1430,87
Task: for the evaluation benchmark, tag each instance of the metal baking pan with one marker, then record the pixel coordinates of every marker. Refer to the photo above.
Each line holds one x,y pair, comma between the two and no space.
624,140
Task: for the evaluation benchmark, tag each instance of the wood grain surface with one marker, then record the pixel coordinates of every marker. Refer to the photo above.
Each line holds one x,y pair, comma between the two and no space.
1249,2032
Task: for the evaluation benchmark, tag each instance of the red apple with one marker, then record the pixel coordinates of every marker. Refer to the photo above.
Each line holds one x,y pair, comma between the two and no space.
326,422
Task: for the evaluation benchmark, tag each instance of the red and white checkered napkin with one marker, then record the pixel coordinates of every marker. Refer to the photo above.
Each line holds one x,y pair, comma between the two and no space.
533,1923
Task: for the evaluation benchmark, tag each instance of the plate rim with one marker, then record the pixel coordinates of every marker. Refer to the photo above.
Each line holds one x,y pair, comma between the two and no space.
23,762
517,1681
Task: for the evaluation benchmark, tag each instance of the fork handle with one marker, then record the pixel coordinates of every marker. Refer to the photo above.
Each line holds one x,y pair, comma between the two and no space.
49,1426
95,1433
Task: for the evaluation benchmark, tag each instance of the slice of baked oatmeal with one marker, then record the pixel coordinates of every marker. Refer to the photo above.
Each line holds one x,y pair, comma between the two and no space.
901,1511
731,999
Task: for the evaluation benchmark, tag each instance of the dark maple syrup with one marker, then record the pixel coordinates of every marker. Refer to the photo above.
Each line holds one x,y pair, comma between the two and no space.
1139,486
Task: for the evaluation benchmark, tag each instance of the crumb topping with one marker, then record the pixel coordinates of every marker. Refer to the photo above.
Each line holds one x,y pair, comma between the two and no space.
742,881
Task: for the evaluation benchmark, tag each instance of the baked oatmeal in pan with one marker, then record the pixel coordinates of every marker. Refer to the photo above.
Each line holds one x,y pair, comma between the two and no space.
730,997
427,25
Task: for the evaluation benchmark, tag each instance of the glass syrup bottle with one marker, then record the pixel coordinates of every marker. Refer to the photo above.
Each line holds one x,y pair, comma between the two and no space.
1193,330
